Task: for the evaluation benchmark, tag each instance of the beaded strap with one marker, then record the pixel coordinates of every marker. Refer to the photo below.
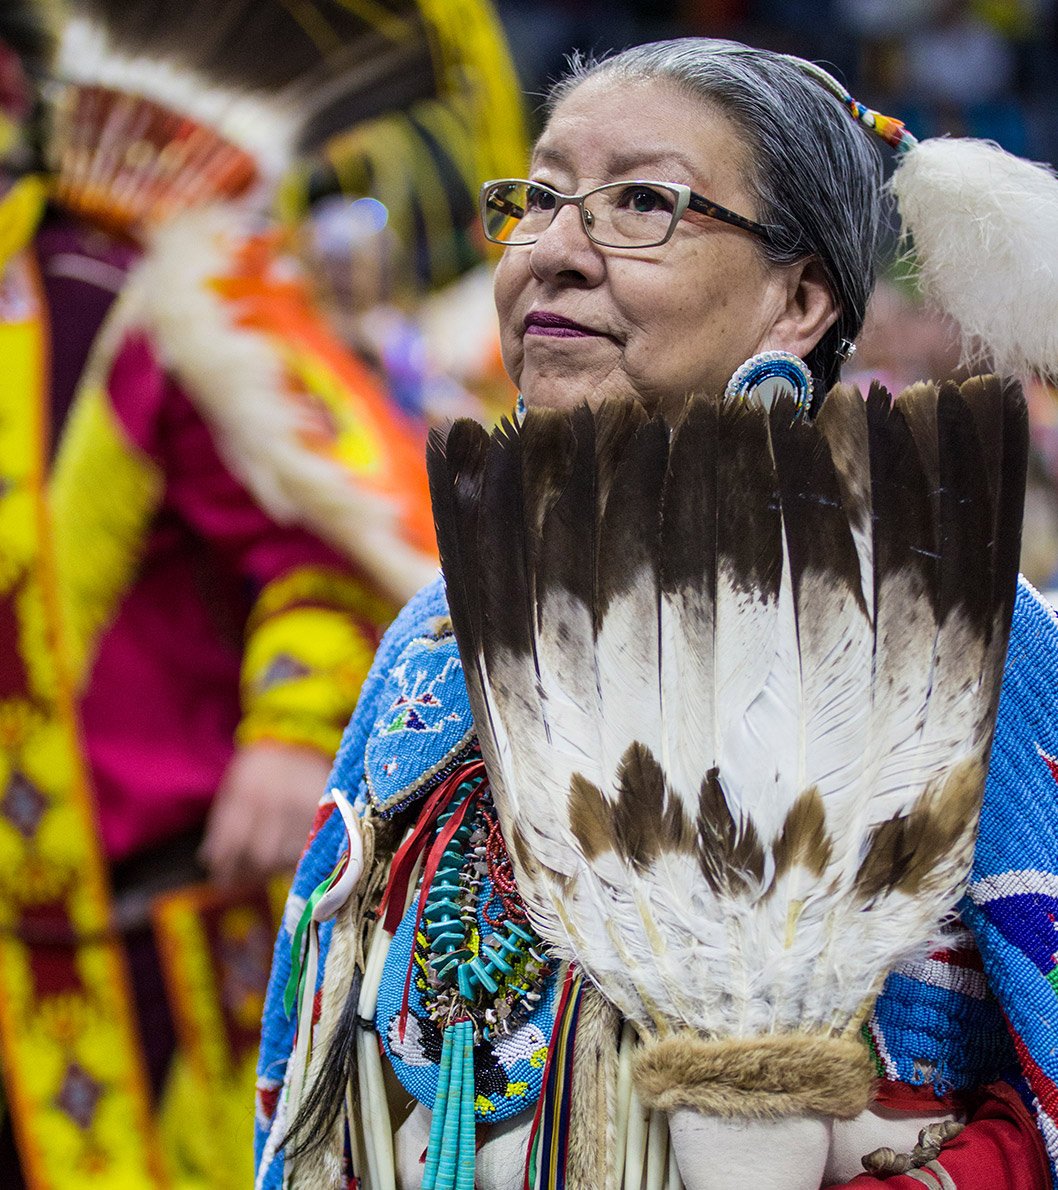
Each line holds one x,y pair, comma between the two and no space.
893,131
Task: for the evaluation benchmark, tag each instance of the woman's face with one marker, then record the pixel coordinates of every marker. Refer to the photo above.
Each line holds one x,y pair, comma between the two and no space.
660,322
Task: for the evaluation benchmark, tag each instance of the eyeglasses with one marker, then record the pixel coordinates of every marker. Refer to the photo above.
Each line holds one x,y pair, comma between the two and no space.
632,214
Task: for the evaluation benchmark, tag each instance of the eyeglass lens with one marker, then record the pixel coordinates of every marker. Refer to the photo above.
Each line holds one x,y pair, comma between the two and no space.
620,215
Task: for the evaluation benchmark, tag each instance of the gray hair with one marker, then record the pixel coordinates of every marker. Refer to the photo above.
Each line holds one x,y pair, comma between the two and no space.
817,175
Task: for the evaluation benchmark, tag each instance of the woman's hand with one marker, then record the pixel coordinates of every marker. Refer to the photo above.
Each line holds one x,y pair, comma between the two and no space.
263,810
999,1149
879,1126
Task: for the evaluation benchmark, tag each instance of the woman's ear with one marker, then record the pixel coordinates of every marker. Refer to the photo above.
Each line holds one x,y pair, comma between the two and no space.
809,313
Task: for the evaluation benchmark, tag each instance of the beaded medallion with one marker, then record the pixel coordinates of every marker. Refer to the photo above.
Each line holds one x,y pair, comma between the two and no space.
762,378
475,965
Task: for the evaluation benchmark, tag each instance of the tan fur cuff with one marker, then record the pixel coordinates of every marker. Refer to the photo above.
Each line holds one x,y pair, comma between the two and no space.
756,1077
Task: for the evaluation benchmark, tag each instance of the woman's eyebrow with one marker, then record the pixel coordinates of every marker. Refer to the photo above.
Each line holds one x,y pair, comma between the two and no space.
634,163
545,155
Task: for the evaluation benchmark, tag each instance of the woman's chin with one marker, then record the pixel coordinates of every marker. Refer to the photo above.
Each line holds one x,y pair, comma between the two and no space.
555,391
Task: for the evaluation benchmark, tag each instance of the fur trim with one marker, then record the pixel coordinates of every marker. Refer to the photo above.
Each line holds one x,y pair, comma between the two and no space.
592,1131
756,1077
235,378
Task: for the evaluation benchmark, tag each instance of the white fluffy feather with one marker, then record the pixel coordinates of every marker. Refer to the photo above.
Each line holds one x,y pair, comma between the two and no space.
985,230
265,127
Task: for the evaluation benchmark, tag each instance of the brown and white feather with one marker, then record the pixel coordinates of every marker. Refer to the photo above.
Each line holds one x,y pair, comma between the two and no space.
735,681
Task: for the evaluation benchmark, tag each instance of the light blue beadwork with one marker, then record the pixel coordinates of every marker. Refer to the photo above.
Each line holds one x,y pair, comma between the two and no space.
509,1071
424,727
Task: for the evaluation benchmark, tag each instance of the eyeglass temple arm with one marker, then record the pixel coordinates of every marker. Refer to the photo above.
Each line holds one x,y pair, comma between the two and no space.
704,207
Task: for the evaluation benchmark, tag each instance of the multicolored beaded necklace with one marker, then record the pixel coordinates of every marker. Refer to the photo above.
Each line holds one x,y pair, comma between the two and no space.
476,987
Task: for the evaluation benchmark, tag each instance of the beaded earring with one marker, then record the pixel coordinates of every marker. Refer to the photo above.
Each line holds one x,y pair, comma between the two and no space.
763,377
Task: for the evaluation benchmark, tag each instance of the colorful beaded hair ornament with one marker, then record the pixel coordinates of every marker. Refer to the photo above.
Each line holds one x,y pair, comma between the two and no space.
893,131
977,218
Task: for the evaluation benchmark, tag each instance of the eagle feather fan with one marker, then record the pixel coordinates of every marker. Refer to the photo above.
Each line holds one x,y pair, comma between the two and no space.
735,682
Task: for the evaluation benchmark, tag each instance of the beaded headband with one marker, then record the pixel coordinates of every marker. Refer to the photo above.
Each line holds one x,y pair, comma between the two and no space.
893,131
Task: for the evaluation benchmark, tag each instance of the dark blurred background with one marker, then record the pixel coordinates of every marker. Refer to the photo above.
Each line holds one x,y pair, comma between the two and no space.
986,68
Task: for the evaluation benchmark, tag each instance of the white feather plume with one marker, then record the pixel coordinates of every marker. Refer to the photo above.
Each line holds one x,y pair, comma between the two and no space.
234,375
265,126
984,225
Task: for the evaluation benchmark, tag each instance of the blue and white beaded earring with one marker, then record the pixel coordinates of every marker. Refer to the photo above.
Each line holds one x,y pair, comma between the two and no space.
519,410
763,377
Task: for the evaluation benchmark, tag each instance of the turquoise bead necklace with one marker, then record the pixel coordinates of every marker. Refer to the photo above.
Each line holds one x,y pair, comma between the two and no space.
495,978
475,987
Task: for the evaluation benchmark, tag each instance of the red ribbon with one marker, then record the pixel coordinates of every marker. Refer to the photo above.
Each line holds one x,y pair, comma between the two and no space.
432,861
396,895
534,1130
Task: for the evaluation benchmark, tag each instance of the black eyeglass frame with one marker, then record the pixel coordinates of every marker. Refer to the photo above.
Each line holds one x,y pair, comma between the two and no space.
685,199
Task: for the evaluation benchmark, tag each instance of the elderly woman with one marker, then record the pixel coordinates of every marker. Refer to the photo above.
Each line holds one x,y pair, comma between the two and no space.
697,211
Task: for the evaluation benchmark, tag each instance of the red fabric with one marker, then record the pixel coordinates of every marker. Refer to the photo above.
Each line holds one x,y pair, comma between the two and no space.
323,812
999,1149
163,701
904,1097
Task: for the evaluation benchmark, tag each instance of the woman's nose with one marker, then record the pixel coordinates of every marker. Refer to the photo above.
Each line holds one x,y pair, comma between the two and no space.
564,253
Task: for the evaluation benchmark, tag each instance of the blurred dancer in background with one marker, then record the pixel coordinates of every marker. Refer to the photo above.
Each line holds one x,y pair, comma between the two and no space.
208,512
387,217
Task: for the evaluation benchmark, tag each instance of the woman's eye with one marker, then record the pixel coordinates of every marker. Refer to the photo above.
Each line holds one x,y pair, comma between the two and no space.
644,201
538,199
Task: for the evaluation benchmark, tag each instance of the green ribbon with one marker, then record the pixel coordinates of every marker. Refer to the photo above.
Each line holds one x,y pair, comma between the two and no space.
299,943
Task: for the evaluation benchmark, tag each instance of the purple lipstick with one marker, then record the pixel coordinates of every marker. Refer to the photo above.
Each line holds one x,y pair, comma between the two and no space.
543,322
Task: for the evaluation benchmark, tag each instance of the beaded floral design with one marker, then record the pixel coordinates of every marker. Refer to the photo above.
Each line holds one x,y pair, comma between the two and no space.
424,729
